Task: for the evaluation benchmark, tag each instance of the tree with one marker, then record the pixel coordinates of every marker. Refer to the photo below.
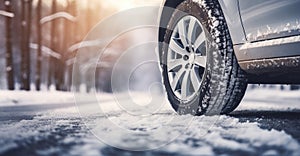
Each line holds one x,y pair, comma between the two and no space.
73,38
25,43
9,54
39,50
56,44
68,26
52,45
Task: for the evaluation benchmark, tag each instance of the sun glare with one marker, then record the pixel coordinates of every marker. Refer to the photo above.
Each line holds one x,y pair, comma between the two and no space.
113,4
127,4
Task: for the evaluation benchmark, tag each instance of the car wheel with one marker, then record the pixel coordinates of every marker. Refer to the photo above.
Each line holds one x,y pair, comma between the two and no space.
200,71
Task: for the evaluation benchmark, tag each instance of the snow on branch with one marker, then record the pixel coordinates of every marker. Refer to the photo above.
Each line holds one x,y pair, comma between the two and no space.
90,63
94,62
7,14
46,51
84,44
70,61
58,15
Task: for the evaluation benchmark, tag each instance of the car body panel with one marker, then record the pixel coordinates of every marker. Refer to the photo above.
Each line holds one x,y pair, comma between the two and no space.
269,19
272,30
272,52
275,48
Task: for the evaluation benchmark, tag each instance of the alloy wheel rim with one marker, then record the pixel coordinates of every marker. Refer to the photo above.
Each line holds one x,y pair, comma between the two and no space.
187,58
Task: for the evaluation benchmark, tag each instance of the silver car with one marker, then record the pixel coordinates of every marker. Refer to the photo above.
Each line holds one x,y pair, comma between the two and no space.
213,48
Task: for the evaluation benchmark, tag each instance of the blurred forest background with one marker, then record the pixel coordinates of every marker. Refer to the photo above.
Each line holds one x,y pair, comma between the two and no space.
39,40
35,39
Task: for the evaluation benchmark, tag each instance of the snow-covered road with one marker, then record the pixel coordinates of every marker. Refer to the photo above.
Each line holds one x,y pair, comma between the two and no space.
266,123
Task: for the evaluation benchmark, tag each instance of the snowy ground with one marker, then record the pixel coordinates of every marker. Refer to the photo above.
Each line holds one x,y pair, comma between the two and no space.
266,123
18,98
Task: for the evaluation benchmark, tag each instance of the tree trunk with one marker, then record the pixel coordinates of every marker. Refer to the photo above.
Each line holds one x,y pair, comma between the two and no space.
61,46
28,34
23,44
73,39
51,67
9,54
39,50
65,46
26,28
59,67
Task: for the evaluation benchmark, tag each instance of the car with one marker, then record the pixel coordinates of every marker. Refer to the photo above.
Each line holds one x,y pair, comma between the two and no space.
210,50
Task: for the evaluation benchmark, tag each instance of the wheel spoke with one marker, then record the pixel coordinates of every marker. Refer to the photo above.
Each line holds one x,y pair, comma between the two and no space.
185,85
200,60
192,25
200,39
176,48
177,78
195,80
182,32
175,63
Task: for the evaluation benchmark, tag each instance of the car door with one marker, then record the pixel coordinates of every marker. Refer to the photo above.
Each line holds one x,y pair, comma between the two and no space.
268,19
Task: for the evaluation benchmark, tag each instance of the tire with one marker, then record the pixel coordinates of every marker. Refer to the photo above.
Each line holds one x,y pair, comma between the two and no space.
222,83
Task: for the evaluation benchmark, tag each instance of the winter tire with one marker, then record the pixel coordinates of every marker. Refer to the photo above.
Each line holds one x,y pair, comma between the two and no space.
200,71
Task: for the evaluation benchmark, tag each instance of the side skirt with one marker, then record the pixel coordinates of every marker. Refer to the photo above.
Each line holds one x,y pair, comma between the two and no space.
284,70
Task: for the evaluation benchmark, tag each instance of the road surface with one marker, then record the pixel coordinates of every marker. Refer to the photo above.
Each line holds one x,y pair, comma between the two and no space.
260,126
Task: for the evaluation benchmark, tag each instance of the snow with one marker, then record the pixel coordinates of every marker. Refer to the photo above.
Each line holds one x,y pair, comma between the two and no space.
46,50
271,100
271,30
84,44
7,14
163,131
52,97
58,15
8,68
266,43
13,98
7,3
